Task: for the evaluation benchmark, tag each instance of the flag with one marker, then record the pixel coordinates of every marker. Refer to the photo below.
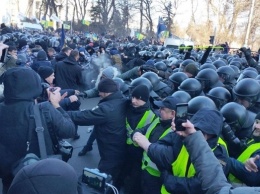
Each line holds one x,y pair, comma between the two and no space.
160,27
85,22
66,25
62,37
139,36
55,18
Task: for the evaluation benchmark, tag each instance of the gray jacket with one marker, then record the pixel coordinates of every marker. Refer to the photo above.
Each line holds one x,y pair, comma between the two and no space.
209,169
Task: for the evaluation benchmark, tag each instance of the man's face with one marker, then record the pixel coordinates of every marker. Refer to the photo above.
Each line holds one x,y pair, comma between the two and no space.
166,113
243,102
50,53
256,128
50,79
137,102
103,94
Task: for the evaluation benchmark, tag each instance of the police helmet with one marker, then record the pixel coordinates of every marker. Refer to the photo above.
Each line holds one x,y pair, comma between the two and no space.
208,78
247,89
235,115
121,84
199,102
236,63
219,63
247,74
236,70
226,73
183,96
191,86
159,55
160,66
208,65
185,63
220,96
141,81
177,78
152,77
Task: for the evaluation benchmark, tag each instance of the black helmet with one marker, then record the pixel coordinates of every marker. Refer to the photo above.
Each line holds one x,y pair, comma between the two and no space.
235,115
183,96
237,71
247,74
191,86
176,63
219,63
160,66
251,69
152,77
208,78
122,85
147,55
185,63
200,102
141,81
177,78
247,89
208,65
226,73
236,63
159,55
220,96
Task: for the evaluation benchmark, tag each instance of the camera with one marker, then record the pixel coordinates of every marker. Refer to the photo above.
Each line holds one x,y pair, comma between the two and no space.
181,116
97,180
229,134
65,149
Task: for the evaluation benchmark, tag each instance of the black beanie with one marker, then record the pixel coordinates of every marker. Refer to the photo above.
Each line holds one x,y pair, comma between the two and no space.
257,116
141,92
45,71
107,85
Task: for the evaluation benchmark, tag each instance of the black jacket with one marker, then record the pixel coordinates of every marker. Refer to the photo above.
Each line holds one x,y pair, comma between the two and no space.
108,119
22,86
68,74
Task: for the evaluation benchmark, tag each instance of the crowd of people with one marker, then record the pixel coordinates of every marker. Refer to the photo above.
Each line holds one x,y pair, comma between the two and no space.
140,84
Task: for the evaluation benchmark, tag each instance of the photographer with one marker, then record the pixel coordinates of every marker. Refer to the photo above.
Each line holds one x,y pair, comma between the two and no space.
11,58
17,133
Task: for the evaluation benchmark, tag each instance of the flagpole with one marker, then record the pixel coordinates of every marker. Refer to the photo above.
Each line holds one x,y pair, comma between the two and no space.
70,27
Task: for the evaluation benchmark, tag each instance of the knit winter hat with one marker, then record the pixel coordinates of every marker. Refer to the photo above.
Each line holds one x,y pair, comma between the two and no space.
257,116
45,71
107,85
108,72
141,92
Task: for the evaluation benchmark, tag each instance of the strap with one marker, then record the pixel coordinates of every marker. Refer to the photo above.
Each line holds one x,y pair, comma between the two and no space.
54,139
39,129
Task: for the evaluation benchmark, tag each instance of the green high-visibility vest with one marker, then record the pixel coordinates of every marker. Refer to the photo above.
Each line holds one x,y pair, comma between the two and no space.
246,154
179,166
147,164
146,119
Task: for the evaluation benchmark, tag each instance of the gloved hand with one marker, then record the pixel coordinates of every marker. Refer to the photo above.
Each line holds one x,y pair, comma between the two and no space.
190,48
82,95
243,49
145,68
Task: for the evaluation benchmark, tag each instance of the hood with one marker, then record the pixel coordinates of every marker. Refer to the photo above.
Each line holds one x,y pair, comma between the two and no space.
45,176
21,84
61,56
41,56
70,60
208,121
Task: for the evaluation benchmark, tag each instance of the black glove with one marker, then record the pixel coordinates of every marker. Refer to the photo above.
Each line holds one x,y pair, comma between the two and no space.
190,48
145,68
243,49
82,95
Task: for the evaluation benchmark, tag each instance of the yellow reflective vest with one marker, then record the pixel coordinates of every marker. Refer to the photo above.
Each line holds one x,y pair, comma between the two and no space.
179,166
146,119
147,164
246,154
